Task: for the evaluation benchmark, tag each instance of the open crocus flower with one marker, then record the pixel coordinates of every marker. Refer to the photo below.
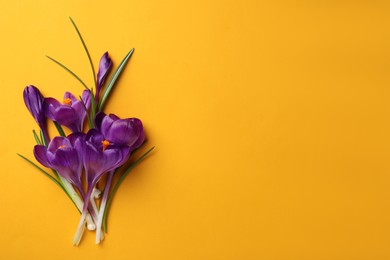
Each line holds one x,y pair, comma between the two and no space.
114,133
128,132
33,100
99,157
65,156
71,113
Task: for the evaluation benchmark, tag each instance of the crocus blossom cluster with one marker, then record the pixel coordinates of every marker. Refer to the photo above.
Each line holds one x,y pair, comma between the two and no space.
82,161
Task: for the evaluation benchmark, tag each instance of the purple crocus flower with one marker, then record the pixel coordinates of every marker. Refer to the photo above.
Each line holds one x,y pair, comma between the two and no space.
71,113
128,132
104,67
34,103
33,100
113,134
64,154
99,157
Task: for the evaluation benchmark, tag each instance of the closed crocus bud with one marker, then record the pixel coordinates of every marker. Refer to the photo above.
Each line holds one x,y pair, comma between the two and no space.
128,131
34,103
104,68
34,100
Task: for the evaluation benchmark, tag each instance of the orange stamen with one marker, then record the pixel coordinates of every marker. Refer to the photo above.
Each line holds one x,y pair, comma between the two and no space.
67,101
105,144
62,146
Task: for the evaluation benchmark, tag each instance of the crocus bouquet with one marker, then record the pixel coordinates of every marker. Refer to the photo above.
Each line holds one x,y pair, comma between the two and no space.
84,161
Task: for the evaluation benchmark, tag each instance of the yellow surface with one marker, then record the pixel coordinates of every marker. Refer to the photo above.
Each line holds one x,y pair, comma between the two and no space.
271,121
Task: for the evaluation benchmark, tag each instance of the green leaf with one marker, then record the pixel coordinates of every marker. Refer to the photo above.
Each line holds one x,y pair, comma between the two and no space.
50,177
113,79
37,138
86,110
86,50
120,180
43,171
43,141
59,129
68,70
93,108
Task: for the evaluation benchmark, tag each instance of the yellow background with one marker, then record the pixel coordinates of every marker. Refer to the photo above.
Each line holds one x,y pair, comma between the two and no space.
271,121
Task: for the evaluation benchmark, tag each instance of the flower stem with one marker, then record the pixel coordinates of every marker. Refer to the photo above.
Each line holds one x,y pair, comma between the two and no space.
93,203
79,202
99,233
80,230
80,227
44,136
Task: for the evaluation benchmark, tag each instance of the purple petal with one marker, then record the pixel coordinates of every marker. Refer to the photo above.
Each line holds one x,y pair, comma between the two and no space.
106,124
124,156
71,116
66,116
79,110
70,96
113,117
122,133
114,157
141,133
50,105
125,131
33,100
40,155
75,137
98,120
94,136
81,107
78,140
92,161
98,162
86,97
66,161
57,142
104,67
